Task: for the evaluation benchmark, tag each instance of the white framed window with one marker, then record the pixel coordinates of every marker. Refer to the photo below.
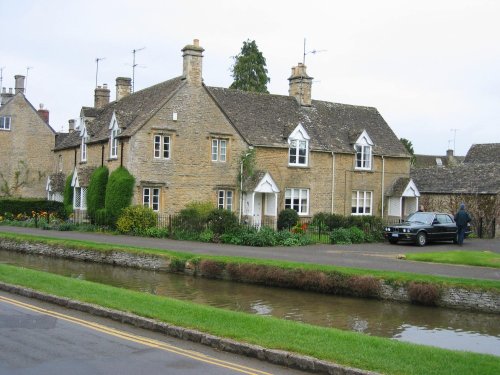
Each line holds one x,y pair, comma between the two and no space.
219,149
84,149
298,151
113,140
151,198
363,149
225,199
361,202
5,122
80,198
298,200
161,146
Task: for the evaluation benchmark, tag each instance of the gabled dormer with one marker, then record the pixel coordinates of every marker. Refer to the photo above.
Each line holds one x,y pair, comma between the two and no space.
363,148
114,131
298,151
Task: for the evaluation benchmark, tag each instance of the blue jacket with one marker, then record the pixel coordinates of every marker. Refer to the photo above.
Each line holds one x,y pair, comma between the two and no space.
462,218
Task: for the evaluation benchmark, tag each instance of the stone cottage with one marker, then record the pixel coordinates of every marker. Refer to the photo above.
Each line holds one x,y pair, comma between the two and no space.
26,143
475,182
184,141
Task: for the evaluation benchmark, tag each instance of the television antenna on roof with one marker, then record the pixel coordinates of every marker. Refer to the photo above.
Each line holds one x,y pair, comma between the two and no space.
133,67
454,138
314,51
97,68
1,76
26,83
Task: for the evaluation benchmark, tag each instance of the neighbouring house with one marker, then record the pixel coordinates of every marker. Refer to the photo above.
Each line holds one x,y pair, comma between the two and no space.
448,160
475,182
184,141
26,143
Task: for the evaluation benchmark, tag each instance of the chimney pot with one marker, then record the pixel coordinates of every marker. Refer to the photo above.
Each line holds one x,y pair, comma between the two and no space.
123,87
19,83
300,85
71,126
101,96
192,63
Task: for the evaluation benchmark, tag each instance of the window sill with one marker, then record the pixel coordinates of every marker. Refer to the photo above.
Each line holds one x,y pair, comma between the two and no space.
299,166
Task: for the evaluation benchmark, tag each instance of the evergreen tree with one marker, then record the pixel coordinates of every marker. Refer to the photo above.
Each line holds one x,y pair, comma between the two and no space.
409,147
249,70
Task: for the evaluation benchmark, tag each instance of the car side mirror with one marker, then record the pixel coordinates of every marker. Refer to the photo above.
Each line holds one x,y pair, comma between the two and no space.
435,221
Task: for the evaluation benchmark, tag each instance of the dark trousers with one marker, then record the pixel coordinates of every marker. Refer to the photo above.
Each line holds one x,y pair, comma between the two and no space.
461,234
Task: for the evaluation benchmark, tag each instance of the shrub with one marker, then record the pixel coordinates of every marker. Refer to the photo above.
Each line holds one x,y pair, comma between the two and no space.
424,294
264,237
156,232
207,236
221,221
329,221
356,235
119,191
340,236
211,269
136,219
364,286
287,219
22,208
95,196
177,265
68,195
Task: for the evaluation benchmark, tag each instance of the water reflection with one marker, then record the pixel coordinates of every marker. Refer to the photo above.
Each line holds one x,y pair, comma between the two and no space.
446,328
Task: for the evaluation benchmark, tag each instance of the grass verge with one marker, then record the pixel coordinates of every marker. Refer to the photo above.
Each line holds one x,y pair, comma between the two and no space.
469,258
347,348
183,257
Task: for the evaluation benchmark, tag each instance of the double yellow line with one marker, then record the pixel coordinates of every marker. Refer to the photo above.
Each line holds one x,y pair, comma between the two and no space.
138,339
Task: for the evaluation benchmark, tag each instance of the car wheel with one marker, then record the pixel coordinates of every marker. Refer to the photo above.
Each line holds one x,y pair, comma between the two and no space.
393,241
421,239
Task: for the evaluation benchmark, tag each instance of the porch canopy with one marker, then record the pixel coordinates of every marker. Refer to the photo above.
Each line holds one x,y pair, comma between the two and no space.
403,198
259,198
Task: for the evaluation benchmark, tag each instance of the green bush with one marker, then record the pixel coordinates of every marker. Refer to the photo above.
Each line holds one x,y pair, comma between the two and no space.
356,235
26,206
96,192
156,232
263,237
119,191
207,236
221,221
136,220
329,221
340,236
287,219
68,195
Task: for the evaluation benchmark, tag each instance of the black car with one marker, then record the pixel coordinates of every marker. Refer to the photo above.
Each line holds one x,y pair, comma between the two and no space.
422,227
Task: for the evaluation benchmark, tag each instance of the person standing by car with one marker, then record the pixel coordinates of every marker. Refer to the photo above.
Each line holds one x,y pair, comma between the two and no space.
462,218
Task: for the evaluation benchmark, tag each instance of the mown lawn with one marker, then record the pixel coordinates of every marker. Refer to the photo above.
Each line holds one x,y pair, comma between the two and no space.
347,348
469,258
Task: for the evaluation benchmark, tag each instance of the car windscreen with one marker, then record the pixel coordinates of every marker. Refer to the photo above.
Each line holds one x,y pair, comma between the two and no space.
421,217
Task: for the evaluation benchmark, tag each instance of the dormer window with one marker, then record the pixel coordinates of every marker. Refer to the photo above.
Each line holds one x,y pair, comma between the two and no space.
298,151
363,149
113,140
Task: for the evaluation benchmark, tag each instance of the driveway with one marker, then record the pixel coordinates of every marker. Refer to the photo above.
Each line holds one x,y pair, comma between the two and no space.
378,256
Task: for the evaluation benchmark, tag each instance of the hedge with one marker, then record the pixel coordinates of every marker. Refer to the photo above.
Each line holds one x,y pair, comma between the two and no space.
27,205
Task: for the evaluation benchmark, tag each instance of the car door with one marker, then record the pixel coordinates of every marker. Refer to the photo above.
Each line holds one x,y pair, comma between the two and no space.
449,228
442,227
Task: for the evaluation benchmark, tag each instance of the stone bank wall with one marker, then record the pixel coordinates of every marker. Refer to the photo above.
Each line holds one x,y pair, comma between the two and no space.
459,298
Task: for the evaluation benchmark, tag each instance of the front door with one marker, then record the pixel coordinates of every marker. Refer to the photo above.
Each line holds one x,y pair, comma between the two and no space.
257,210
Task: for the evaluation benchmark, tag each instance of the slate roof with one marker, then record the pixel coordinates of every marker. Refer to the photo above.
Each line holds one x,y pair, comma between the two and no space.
425,161
57,181
131,113
268,120
466,178
398,187
261,119
483,153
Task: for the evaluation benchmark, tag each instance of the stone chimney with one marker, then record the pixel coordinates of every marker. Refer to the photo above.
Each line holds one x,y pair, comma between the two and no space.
101,96
19,84
71,126
192,63
449,153
123,87
300,85
6,95
44,113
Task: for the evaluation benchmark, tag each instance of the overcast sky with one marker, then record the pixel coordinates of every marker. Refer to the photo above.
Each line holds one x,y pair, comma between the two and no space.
431,67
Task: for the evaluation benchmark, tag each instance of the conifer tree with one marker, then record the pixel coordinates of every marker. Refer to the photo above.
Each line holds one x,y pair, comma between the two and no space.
249,70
